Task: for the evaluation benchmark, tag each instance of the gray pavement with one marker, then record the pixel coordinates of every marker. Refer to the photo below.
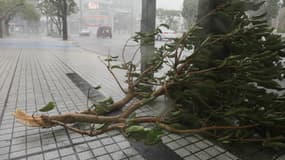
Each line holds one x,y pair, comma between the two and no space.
33,72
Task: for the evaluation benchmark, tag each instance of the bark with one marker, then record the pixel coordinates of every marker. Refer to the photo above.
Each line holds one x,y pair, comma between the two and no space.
1,28
64,21
6,28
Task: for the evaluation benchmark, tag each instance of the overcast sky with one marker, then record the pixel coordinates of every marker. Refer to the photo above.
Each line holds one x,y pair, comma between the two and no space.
170,4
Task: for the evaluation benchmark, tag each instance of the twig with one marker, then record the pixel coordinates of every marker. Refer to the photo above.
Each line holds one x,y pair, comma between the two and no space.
114,76
89,133
136,105
133,57
124,50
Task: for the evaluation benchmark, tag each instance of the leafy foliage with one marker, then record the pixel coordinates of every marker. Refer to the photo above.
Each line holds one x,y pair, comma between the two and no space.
57,11
223,77
231,78
12,8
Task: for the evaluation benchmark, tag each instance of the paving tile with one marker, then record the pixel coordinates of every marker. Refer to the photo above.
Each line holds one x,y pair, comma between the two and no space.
105,157
81,147
99,151
193,148
66,151
173,145
174,136
191,157
166,139
212,151
36,157
182,142
18,154
119,138
85,155
223,157
95,144
34,150
118,155
4,156
107,141
124,144
51,155
183,152
4,150
137,157
4,144
130,152
112,148
70,157
202,155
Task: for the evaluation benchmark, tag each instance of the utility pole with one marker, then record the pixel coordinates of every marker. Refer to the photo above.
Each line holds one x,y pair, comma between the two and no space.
80,16
147,26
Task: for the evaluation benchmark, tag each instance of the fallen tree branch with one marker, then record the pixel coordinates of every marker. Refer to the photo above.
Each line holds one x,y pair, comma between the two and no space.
203,129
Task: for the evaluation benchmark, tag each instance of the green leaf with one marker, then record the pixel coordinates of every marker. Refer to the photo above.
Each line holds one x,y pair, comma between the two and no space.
97,87
164,25
146,135
116,67
107,101
134,128
50,106
131,118
153,136
100,126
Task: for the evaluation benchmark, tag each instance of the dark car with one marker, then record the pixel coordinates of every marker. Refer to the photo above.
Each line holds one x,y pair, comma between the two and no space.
104,32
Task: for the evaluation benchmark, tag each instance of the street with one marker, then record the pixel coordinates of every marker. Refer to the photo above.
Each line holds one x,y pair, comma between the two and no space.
113,47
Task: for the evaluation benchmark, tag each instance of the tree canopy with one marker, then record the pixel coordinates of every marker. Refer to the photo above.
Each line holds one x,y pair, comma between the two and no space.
57,11
169,17
10,9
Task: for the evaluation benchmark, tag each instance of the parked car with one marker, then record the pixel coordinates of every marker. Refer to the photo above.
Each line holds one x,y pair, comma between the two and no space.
166,34
85,32
104,32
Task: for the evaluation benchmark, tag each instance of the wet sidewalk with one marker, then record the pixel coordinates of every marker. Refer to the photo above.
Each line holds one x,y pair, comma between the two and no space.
32,74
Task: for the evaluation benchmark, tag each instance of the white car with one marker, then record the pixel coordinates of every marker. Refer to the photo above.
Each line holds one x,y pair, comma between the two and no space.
166,34
85,32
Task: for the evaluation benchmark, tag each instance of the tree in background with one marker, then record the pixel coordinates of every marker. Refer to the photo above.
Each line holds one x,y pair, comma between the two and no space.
190,12
57,11
169,17
10,9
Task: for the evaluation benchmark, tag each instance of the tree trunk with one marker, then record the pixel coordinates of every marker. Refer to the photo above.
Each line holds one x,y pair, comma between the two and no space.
64,21
1,29
6,28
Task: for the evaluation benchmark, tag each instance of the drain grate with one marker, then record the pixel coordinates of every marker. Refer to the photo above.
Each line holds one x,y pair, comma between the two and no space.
85,87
